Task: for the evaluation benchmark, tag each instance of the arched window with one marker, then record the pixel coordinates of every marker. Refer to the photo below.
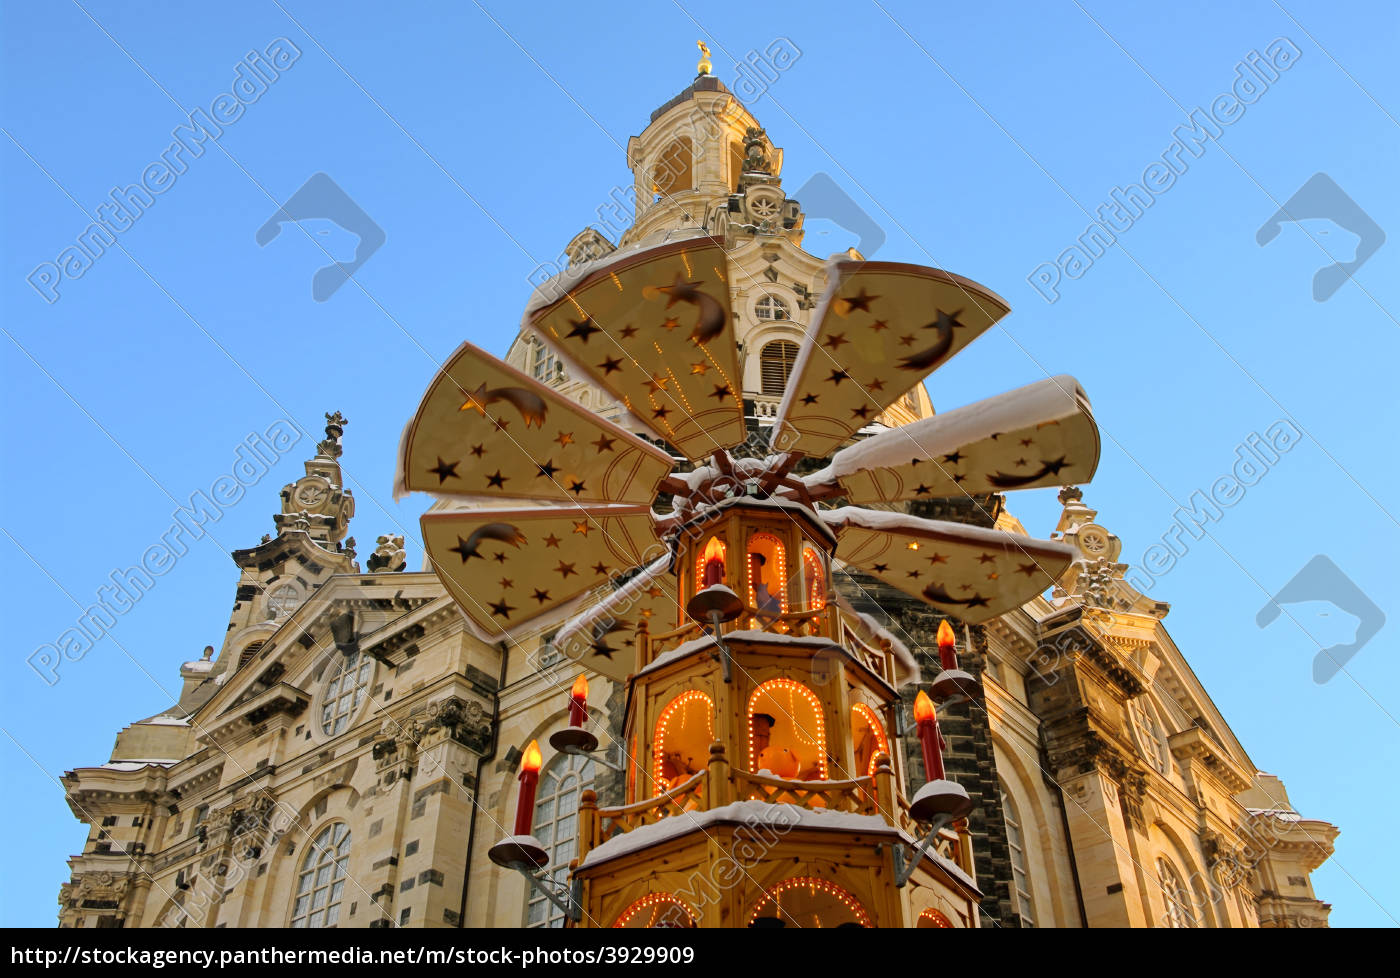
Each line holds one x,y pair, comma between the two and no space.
657,910
671,173
1020,877
813,579
1147,730
345,691
556,826
787,731
282,601
806,901
770,308
321,882
768,573
248,653
681,747
775,363
709,568
933,918
1174,895
868,738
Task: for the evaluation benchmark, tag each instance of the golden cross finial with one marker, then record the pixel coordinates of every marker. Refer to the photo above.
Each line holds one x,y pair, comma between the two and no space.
704,66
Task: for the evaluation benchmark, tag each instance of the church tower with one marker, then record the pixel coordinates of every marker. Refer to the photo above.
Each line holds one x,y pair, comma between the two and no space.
287,567
704,165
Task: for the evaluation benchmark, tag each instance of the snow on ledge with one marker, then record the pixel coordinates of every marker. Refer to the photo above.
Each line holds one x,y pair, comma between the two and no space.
815,642
136,765
750,812
785,817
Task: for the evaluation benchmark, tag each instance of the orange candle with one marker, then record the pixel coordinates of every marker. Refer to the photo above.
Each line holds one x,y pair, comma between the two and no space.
930,737
947,646
578,702
529,778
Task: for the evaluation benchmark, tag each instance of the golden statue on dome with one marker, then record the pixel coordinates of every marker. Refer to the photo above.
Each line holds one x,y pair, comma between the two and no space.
705,65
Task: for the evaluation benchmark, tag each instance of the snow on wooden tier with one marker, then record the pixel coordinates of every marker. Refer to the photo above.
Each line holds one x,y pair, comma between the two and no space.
1039,435
724,846
968,571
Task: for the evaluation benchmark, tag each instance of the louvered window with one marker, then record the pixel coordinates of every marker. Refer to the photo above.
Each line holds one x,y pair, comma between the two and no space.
776,360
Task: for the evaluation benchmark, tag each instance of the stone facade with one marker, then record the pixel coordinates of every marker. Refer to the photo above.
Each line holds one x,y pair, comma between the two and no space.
349,753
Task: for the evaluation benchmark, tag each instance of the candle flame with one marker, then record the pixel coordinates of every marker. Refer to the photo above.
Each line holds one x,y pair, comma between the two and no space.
923,708
580,688
945,634
532,760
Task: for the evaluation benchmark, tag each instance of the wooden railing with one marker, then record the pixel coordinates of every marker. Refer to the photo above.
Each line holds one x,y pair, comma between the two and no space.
827,622
856,795
718,785
683,797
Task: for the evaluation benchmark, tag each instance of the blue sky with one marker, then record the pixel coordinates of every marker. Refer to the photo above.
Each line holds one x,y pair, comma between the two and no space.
482,136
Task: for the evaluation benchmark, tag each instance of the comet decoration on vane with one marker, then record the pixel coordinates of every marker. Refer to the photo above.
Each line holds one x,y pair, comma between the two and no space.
531,406
548,515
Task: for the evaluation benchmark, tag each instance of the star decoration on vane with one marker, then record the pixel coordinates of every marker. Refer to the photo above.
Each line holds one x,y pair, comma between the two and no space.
945,321
445,470
680,291
582,329
861,302
465,549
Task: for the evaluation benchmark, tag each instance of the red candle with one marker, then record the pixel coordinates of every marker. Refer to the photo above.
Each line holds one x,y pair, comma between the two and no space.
930,737
578,702
947,646
529,778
